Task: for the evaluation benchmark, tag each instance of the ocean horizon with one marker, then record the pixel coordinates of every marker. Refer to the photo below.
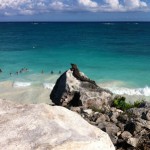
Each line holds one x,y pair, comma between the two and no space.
114,54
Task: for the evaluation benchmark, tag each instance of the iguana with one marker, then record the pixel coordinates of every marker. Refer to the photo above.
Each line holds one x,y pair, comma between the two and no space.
77,74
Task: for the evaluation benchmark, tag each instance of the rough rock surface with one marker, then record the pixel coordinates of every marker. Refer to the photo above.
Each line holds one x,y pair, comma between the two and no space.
73,88
44,127
129,132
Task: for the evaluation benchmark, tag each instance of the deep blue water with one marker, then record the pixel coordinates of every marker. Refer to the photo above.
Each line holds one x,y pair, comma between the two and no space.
106,52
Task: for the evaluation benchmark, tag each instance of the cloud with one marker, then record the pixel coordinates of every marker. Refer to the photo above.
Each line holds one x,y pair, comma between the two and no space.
57,5
12,3
113,3
30,7
135,4
26,12
88,3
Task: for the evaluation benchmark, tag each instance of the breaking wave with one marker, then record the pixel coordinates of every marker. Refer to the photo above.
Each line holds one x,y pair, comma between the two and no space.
138,91
48,85
116,90
21,84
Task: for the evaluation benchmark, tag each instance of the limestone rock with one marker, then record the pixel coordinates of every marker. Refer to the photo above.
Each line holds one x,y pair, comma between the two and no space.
101,118
143,123
111,129
148,115
72,91
88,111
126,135
44,127
138,112
133,141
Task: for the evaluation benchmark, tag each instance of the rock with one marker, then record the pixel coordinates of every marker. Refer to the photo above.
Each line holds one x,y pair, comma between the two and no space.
41,127
101,118
138,112
138,127
123,118
111,129
130,127
71,90
113,118
119,133
143,123
94,117
133,141
126,135
76,109
144,141
121,126
1,71
148,115
88,111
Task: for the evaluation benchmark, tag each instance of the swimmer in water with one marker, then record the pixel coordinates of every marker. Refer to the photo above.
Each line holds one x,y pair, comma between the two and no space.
42,71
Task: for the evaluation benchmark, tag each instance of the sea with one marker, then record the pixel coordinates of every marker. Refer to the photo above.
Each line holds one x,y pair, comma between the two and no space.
114,54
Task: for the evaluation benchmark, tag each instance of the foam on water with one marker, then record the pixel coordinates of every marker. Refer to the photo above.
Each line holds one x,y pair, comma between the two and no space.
21,84
138,91
48,85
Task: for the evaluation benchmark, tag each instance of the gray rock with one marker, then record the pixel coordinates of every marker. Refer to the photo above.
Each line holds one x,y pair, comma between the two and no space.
115,113
76,109
138,112
123,118
121,126
44,127
114,139
138,127
69,90
102,125
133,141
113,118
143,123
111,129
126,135
148,115
88,111
101,118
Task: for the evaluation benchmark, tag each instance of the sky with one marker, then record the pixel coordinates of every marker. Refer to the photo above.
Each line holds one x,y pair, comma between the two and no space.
74,10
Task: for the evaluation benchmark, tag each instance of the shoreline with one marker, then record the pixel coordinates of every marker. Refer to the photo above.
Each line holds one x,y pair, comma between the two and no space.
24,92
23,95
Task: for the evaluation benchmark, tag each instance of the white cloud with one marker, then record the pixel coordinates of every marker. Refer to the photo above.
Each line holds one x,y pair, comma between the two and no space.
57,5
29,7
26,12
113,3
135,4
12,3
88,3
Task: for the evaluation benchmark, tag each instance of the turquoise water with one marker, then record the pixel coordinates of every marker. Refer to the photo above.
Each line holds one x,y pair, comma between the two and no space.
110,53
